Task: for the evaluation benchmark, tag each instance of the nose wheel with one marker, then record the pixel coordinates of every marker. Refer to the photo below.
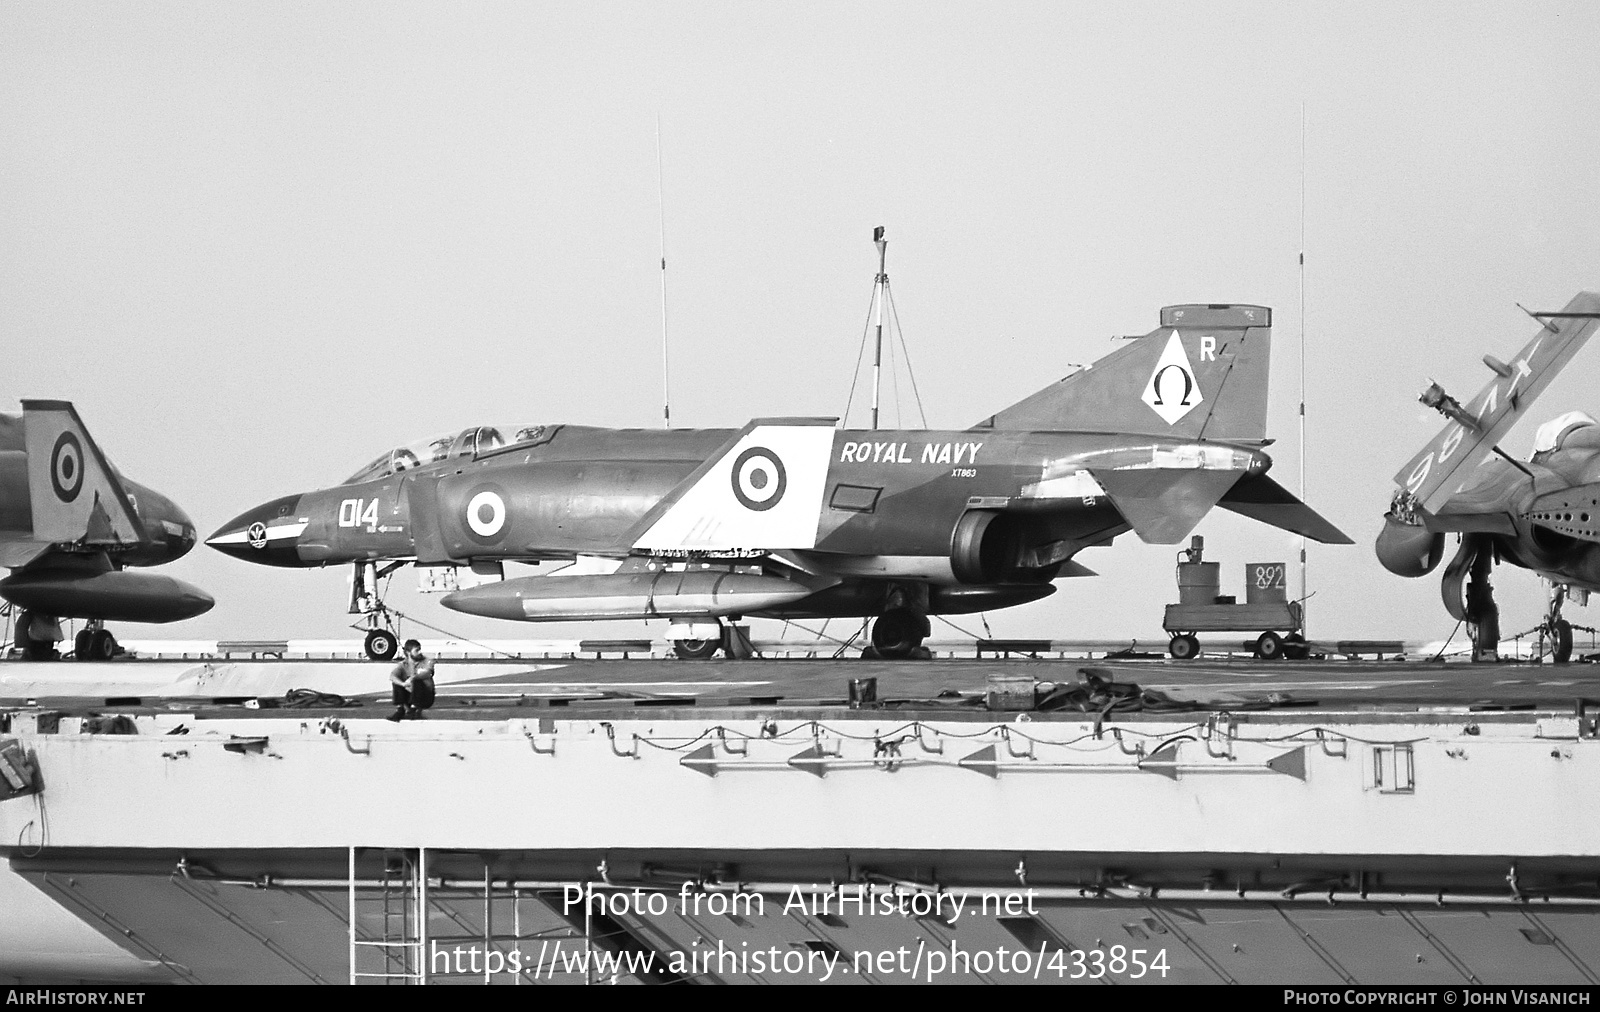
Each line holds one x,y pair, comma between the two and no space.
381,644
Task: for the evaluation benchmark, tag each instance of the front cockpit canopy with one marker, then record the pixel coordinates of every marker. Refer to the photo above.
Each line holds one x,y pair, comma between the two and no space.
1557,432
472,442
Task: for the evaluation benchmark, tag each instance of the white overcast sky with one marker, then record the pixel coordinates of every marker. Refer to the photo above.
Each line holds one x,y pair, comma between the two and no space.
258,243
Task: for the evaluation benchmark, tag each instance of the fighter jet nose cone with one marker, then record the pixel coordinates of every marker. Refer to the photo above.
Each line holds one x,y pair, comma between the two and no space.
269,534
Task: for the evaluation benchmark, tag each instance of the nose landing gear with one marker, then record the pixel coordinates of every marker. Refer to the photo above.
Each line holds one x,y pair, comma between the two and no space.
366,600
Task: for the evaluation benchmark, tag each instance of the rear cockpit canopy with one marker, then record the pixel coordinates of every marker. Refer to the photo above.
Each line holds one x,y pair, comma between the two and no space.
1566,430
472,442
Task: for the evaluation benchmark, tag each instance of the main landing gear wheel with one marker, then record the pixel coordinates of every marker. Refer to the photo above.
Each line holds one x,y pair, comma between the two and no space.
898,633
94,645
1184,647
1295,647
1269,647
381,644
1561,641
695,650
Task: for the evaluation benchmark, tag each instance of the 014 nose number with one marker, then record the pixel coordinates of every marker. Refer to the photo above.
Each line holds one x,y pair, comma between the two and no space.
358,513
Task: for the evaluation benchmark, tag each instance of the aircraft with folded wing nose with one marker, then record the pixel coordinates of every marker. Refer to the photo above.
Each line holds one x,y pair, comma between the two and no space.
1542,514
76,534
796,518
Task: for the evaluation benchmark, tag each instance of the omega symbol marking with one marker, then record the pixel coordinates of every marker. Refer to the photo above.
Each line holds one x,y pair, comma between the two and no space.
1173,396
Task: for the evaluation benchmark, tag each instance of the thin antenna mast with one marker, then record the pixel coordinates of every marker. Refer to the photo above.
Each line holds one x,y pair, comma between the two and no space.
661,199
1303,601
877,294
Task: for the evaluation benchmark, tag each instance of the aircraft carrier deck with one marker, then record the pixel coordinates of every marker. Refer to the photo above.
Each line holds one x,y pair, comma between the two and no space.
969,819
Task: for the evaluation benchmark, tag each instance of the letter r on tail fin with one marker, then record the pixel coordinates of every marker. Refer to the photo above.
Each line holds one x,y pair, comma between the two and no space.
75,494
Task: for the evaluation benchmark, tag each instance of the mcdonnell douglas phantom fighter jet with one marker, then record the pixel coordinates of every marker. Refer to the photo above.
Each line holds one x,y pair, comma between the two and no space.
792,517
1542,514
70,524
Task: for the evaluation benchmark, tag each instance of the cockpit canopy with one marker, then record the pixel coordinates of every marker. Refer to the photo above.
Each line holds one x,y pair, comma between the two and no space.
473,442
1553,435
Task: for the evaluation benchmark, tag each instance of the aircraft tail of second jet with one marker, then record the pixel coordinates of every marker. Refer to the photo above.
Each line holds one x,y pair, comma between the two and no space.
75,494
1201,375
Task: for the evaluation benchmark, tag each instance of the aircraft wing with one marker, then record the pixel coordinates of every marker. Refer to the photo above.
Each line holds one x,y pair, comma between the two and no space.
1473,429
17,549
761,490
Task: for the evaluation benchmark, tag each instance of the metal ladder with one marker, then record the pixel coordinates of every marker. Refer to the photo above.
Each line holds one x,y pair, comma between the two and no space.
398,902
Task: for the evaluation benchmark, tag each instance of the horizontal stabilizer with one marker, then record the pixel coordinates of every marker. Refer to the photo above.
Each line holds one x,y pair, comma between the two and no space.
1260,498
75,494
1070,569
1163,504
1573,511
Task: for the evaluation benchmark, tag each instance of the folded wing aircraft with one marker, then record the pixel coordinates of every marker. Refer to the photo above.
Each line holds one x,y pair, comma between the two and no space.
73,529
793,517
1541,514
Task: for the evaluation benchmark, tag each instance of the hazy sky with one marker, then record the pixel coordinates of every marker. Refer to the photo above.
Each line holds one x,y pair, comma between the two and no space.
256,244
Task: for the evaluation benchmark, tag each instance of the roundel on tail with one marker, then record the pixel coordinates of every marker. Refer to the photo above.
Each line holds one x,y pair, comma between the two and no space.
759,479
486,513
66,467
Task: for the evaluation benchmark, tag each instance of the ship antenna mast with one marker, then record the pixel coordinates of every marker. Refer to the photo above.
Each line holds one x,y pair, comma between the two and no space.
880,286
1303,592
661,199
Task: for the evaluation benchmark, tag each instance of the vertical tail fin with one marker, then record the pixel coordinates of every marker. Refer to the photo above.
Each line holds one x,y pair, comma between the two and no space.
1201,375
75,494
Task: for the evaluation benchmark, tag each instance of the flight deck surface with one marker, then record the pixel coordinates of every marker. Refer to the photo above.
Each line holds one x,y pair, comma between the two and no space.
466,687
1239,821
